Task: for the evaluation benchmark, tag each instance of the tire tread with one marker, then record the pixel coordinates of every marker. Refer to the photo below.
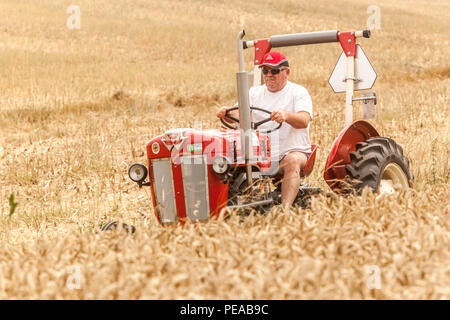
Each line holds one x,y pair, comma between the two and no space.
370,158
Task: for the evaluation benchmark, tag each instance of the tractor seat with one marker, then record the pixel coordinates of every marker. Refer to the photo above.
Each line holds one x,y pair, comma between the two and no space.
308,166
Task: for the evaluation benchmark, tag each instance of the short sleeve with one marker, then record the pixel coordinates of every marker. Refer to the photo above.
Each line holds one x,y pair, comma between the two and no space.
302,101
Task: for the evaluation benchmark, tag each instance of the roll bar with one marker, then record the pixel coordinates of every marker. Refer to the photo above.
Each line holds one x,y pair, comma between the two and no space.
298,39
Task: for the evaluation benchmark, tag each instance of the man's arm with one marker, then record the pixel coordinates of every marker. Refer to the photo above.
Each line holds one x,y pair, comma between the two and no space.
298,120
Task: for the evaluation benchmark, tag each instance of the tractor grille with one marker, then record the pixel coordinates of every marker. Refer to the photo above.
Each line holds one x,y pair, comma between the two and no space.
195,186
164,190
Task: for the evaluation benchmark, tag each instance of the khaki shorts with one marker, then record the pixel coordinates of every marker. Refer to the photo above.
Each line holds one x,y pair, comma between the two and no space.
274,165
307,154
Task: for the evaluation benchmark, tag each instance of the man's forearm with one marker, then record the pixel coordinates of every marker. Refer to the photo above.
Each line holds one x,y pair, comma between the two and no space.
298,120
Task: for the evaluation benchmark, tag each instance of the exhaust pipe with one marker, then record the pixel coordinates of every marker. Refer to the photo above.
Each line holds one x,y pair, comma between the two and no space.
244,107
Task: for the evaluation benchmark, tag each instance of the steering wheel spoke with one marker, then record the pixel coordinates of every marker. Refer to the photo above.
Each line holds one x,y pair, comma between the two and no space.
254,125
257,124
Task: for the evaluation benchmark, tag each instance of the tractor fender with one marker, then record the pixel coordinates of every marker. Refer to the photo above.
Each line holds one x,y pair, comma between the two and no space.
339,155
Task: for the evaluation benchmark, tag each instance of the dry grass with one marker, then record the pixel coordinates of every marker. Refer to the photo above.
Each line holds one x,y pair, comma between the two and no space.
77,107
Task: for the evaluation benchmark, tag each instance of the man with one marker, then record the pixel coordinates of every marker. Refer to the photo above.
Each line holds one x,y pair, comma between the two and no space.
291,104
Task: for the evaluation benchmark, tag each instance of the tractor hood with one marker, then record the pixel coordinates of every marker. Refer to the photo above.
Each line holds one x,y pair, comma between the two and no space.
179,142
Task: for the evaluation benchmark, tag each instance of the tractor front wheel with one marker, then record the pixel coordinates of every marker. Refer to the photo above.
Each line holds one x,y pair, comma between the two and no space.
379,164
114,224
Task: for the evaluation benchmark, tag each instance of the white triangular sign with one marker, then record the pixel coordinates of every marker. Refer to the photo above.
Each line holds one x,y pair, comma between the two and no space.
364,72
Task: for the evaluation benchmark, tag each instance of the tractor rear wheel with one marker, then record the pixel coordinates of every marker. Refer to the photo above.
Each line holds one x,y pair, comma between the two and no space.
379,164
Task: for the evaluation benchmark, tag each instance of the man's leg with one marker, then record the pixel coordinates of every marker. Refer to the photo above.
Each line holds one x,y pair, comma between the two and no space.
290,167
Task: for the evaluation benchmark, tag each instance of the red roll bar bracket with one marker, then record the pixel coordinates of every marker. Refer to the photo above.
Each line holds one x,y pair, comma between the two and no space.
262,46
348,42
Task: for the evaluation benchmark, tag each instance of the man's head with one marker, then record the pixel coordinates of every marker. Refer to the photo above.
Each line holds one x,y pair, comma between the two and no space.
275,69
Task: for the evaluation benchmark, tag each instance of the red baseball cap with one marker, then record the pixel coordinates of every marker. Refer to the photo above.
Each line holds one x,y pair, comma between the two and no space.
274,59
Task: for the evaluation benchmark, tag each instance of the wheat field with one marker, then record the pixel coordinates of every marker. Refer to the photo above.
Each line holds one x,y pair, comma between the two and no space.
77,107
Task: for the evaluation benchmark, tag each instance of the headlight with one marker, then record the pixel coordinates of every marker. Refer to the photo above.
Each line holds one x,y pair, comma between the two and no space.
137,172
220,165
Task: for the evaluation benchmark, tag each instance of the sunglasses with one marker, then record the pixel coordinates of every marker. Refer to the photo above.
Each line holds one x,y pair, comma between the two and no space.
272,71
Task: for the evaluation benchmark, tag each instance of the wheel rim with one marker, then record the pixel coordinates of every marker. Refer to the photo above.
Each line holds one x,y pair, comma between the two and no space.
393,179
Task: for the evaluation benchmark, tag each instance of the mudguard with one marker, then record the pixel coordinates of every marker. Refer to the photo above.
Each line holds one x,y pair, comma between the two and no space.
309,166
339,155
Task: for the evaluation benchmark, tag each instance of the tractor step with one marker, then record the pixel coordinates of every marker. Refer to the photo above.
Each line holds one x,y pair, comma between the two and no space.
252,204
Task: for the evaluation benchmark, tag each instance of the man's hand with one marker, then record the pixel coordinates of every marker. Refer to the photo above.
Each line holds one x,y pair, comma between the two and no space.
278,116
221,112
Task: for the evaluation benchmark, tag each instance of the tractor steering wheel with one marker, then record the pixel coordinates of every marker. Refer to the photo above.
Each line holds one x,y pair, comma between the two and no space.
254,125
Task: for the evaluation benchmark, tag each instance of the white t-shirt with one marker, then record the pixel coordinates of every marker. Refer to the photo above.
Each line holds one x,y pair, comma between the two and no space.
292,98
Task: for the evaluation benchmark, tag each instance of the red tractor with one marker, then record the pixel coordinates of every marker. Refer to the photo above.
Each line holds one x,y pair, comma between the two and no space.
196,174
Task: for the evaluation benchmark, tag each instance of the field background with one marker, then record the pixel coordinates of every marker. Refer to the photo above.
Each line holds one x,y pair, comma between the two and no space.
78,106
